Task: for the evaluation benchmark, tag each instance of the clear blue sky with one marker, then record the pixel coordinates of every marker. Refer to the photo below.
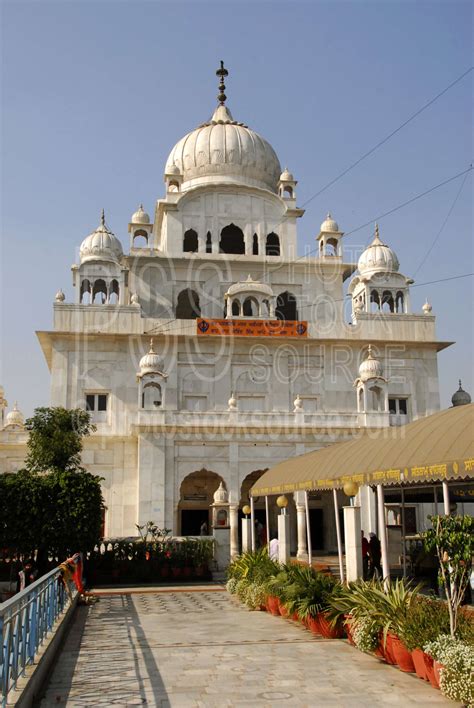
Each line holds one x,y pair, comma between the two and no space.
95,94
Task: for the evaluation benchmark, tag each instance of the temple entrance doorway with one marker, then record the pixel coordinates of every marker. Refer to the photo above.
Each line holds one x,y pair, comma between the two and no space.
196,496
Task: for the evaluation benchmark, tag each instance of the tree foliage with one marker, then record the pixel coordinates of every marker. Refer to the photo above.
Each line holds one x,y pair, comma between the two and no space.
54,506
55,440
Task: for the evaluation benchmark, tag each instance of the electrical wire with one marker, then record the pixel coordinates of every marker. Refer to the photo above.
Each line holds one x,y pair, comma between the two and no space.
387,138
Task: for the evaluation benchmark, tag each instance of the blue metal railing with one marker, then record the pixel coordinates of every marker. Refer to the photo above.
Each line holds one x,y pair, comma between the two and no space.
25,622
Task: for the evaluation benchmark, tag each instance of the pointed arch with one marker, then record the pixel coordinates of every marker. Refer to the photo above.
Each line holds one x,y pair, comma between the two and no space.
255,245
187,306
190,241
286,308
272,246
232,240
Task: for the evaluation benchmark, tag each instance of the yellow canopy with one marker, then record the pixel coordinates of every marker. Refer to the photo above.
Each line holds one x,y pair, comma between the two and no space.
438,447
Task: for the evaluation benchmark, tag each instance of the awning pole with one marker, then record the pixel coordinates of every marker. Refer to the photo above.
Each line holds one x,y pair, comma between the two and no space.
435,497
252,526
267,521
383,535
308,529
338,534
404,553
446,498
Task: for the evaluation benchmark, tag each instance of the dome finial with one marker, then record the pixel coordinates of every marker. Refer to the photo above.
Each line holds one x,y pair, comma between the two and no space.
377,235
152,351
222,72
102,217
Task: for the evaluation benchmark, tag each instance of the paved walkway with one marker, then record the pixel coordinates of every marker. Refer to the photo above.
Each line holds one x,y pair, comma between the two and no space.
199,648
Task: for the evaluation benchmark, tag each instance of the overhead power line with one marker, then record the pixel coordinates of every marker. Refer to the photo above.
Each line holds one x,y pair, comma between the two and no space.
387,138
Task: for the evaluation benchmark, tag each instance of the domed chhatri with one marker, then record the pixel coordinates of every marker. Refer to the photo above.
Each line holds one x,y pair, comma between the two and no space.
60,296
378,257
15,418
371,368
151,363
286,176
224,150
140,216
221,495
461,397
329,225
249,286
101,245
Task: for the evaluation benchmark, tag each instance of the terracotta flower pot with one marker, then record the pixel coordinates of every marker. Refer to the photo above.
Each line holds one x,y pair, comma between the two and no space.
430,670
313,625
436,670
347,627
295,617
326,630
418,660
273,605
388,651
402,656
283,610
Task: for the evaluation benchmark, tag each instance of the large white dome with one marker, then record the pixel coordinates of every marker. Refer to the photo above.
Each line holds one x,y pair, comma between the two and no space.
224,150
101,245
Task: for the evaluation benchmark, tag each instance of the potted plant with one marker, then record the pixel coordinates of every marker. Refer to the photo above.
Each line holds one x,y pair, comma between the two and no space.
452,538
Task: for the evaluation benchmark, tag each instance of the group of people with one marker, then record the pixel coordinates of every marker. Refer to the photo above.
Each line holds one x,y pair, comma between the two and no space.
371,556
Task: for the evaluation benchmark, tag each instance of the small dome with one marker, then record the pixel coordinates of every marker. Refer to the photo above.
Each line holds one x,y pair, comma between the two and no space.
286,176
370,368
140,216
461,397
15,418
427,308
134,300
172,170
378,257
220,495
232,403
298,404
60,296
249,286
101,245
329,225
151,363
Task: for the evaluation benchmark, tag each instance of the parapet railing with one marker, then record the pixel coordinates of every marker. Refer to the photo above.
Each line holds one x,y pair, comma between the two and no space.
26,620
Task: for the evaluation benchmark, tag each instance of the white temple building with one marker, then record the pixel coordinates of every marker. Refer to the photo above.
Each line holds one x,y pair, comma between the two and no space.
254,357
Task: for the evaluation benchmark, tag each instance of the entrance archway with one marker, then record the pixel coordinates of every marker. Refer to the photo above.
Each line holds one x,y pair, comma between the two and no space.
196,496
259,504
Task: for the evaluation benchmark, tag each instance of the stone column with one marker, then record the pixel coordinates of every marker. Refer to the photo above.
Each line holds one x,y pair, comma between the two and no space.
283,538
234,530
302,551
353,543
246,535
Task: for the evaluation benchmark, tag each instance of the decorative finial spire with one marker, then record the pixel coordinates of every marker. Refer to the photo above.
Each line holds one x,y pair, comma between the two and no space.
369,352
377,237
460,385
102,218
152,351
222,72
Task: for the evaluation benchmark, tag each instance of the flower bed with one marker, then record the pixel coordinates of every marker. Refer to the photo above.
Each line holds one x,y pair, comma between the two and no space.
397,624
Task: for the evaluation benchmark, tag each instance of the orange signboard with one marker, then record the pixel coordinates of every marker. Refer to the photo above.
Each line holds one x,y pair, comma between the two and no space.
253,328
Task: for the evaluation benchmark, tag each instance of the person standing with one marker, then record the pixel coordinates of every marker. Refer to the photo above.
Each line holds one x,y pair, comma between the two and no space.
375,556
365,557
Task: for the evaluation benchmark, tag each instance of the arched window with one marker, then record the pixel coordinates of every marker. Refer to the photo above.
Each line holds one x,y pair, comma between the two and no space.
387,302
331,247
173,186
288,192
114,292
151,396
86,290
99,292
286,307
272,245
140,239
374,301
208,242
190,241
255,245
250,307
400,302
235,308
232,240
188,307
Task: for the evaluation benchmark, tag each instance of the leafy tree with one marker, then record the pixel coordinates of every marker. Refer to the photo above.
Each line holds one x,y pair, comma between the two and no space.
54,506
55,440
452,537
